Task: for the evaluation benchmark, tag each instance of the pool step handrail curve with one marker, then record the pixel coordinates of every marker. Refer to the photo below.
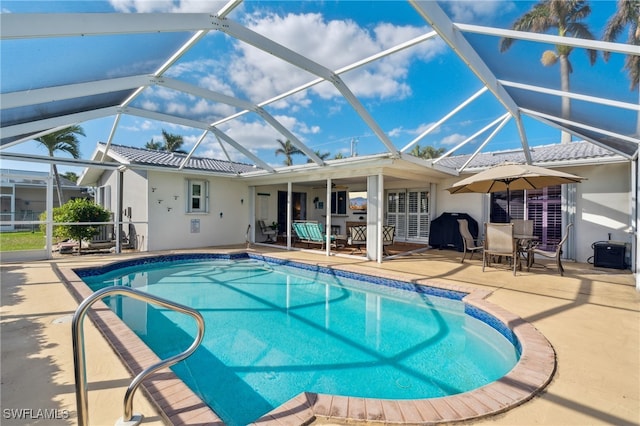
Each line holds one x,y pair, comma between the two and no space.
80,373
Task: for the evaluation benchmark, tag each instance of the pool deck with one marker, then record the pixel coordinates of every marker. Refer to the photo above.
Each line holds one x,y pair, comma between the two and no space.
590,316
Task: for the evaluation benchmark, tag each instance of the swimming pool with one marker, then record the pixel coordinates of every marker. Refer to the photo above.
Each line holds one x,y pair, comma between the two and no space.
256,328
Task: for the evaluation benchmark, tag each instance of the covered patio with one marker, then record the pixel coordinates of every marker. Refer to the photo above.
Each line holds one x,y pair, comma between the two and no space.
590,317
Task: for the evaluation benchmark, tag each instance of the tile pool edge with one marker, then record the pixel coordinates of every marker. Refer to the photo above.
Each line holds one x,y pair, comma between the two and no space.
533,372
178,404
175,401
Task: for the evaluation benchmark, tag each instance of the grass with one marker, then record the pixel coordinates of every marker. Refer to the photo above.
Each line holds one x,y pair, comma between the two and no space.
26,240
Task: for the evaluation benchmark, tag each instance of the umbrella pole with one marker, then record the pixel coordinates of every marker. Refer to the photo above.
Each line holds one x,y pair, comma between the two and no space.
508,204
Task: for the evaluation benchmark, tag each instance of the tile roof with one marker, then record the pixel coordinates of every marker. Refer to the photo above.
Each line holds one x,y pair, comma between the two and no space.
540,155
143,156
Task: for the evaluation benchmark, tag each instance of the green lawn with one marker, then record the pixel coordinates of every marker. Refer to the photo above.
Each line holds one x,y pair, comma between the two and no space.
26,240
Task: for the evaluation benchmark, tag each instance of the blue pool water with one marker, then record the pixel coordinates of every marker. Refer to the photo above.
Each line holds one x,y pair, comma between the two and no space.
273,331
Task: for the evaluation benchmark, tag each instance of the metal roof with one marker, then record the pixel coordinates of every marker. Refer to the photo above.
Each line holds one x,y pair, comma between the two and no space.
544,155
109,62
141,156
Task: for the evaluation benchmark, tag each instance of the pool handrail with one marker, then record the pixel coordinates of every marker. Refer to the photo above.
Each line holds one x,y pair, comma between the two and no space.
79,358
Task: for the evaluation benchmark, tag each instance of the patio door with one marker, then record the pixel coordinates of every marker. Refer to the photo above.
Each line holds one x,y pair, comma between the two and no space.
298,208
408,211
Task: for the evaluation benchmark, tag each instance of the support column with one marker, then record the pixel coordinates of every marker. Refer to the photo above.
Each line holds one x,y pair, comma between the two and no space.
251,238
117,230
289,213
49,224
635,237
327,228
374,219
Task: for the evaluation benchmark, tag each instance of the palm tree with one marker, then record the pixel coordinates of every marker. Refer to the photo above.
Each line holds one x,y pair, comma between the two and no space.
566,17
323,156
627,14
427,152
70,176
172,143
287,149
157,146
338,156
65,140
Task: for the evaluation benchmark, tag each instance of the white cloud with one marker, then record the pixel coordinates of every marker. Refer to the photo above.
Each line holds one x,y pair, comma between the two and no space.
423,127
333,44
254,135
146,125
478,11
182,6
396,132
453,139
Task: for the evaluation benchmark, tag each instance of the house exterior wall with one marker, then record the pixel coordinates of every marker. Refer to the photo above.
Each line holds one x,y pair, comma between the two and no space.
603,205
134,199
135,203
172,227
472,204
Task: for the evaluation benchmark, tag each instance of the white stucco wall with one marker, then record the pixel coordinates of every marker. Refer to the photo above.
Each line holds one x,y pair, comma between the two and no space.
170,226
134,197
602,205
472,204
135,201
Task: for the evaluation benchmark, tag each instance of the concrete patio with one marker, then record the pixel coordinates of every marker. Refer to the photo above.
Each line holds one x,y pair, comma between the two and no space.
590,316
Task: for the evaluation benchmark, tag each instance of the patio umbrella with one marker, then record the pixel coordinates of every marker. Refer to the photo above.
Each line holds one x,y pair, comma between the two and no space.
511,176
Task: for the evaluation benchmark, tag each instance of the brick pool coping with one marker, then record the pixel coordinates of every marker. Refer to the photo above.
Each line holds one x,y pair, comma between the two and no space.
180,405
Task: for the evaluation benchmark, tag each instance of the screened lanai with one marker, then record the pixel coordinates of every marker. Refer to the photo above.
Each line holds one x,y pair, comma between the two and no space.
75,62
340,78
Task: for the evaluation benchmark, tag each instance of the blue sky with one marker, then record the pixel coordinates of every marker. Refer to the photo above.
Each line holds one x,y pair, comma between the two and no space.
404,93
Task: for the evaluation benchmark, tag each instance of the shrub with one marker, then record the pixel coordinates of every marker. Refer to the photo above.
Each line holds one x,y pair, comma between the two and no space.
77,210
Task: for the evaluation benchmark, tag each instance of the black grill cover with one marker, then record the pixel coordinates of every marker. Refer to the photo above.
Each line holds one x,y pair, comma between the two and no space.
445,233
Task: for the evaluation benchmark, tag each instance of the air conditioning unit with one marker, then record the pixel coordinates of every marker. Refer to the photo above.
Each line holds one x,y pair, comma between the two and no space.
607,254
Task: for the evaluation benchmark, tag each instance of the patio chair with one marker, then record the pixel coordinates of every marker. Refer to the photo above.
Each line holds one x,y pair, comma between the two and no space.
557,253
267,232
469,243
300,229
499,241
316,234
357,237
388,235
522,227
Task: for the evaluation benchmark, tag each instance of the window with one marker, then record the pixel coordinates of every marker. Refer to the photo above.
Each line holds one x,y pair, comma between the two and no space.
543,206
198,196
339,202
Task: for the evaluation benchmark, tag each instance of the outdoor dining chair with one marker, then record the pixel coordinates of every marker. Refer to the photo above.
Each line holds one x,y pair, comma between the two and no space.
267,232
357,237
388,235
499,241
557,253
469,243
522,226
